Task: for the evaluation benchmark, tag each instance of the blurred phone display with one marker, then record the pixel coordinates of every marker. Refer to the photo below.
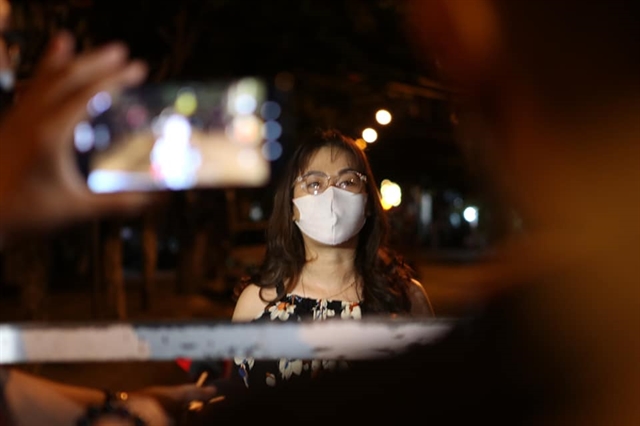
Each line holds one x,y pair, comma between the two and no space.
177,136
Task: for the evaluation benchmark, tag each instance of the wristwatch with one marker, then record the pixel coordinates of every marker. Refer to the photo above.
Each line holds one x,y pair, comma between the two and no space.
114,407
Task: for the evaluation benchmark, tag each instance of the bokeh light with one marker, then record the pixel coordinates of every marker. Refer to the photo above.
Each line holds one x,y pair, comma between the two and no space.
186,102
369,135
391,194
246,129
102,136
245,104
270,110
83,137
271,130
470,214
383,116
99,103
272,150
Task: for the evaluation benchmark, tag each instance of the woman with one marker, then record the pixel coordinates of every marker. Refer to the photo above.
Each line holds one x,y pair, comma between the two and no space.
326,255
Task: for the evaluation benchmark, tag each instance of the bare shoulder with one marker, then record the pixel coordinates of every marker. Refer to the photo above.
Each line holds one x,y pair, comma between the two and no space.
250,304
420,303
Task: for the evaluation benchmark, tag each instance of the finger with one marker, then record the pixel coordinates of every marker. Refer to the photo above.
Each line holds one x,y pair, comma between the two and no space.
193,392
73,109
58,52
70,87
86,70
95,64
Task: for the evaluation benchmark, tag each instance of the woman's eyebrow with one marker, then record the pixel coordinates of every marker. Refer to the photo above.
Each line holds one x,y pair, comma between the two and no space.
347,169
313,172
320,172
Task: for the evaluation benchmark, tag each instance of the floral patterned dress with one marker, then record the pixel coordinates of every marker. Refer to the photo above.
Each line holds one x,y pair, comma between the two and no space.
271,373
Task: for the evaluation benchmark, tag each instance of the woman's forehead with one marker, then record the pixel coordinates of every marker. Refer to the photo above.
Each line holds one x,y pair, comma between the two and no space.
330,159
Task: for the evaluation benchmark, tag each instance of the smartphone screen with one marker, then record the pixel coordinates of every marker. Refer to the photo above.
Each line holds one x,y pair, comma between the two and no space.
178,136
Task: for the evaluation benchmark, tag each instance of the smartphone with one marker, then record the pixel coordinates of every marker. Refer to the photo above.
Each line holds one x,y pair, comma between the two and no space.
180,135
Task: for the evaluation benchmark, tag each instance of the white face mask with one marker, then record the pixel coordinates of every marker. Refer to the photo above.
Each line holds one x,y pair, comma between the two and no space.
332,217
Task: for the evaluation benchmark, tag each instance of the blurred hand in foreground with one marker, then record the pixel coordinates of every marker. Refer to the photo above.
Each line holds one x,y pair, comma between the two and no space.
40,183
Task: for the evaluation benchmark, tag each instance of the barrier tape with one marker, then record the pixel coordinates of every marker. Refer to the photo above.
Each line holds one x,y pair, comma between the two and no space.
155,341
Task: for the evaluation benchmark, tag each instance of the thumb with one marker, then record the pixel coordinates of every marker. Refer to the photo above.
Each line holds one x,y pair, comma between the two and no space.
191,392
175,399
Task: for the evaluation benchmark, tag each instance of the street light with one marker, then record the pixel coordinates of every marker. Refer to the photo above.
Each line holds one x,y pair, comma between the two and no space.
383,117
369,135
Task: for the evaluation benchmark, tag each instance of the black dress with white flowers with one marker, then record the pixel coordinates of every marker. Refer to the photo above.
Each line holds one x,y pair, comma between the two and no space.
271,373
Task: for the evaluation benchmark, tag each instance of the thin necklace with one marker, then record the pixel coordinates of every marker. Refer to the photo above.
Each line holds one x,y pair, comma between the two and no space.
304,293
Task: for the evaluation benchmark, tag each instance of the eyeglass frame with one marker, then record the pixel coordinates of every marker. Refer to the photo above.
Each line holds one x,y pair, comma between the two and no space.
299,179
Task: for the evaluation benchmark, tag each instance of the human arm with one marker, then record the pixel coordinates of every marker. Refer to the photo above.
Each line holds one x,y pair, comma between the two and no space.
249,304
420,302
32,400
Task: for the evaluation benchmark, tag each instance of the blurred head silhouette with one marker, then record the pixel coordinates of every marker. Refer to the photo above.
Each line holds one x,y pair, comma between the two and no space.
556,83
555,88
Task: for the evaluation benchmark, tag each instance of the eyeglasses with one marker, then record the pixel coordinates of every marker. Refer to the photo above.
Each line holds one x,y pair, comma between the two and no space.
317,182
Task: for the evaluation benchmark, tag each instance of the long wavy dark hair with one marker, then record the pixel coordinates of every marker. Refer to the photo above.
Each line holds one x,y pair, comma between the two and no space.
385,275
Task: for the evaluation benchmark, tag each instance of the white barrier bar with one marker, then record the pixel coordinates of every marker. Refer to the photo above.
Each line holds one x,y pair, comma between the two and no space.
88,342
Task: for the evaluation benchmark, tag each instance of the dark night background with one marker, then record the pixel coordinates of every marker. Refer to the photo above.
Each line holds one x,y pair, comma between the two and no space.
347,59
343,60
